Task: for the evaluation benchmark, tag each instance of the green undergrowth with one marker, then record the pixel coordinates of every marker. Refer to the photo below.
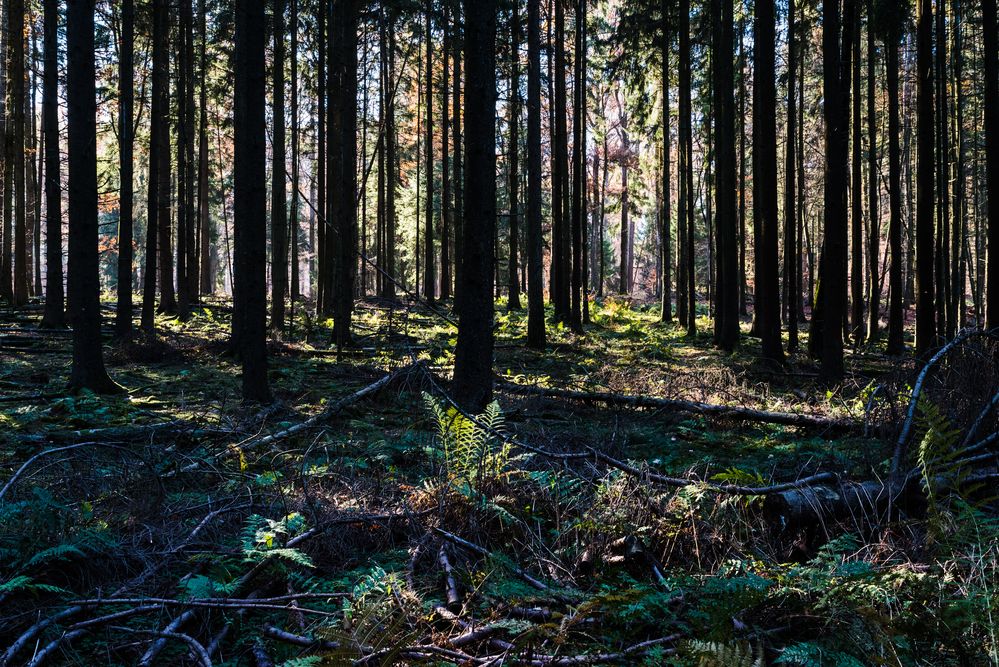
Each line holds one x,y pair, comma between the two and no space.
571,560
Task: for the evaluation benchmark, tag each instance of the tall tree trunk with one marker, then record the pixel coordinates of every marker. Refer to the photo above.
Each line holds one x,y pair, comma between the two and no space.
727,270
873,208
343,163
429,260
857,329
624,277
473,371
183,218
324,228
445,162
54,316
157,133
991,98
279,185
665,213
686,207
942,194
391,176
6,242
16,117
294,224
250,197
535,257
513,279
168,296
791,285
208,273
743,241
896,287
925,265
193,274
578,169
561,222
456,163
767,302
88,370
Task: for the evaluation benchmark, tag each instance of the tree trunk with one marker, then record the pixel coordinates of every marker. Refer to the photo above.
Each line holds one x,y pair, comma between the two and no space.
578,170
767,303
561,207
791,285
343,163
942,194
84,280
54,316
665,226
250,197
157,132
686,174
429,260
294,225
168,296
456,163
925,265
857,329
896,287
535,257
16,117
279,185
727,270
207,281
991,98
873,192
473,372
513,279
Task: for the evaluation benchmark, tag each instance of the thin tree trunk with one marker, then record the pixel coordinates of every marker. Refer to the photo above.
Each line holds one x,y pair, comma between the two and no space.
991,99
429,273
665,213
294,224
857,329
925,263
896,287
791,261
445,162
279,185
157,130
578,169
873,192
54,316
16,117
208,273
535,257
513,280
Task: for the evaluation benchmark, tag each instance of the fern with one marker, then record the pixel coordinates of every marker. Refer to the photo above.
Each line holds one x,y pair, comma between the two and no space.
730,654
307,661
806,654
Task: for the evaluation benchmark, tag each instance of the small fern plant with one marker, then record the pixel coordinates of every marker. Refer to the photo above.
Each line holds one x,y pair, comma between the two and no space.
474,450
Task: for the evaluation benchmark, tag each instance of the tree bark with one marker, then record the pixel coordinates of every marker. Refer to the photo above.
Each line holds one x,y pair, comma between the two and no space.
88,370
513,279
535,258
578,170
791,285
54,316
279,185
473,374
723,107
925,264
249,175
208,273
429,260
991,100
16,117
157,133
896,287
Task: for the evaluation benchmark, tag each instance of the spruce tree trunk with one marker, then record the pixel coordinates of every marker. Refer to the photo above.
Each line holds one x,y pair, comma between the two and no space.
578,170
925,263
686,208
767,302
429,260
279,185
561,223
896,260
991,98
342,159
857,328
535,259
473,364
168,295
727,269
157,133
445,93
665,227
873,192
250,197
6,242
88,370
513,278
16,117
54,316
294,224
208,273
183,218
791,261
456,163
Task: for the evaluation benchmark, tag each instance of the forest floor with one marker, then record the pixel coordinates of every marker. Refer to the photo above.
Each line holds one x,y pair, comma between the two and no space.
347,526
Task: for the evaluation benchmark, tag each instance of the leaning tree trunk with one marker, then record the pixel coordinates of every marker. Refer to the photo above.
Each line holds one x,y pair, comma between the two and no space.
84,279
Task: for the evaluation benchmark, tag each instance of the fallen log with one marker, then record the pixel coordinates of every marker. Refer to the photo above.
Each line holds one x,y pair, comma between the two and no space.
693,407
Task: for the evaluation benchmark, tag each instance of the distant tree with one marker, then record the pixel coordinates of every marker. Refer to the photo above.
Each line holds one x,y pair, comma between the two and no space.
55,303
250,213
473,364
279,185
535,268
925,165
991,99
84,280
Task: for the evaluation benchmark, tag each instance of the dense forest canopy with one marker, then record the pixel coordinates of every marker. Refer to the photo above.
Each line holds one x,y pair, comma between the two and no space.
545,332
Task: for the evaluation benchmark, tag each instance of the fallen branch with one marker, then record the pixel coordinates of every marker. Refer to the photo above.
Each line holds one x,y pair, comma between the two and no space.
695,407
482,551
